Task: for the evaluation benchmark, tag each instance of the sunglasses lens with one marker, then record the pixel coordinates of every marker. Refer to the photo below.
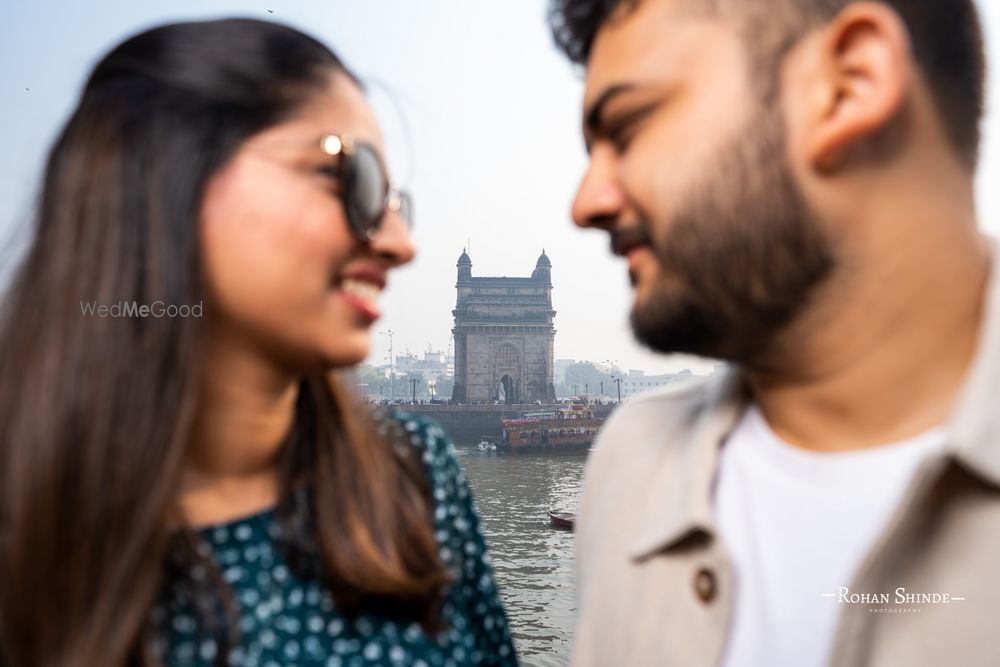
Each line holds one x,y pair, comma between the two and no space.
366,191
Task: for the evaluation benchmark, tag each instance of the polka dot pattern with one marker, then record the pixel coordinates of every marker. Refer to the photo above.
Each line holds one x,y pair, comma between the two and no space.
288,620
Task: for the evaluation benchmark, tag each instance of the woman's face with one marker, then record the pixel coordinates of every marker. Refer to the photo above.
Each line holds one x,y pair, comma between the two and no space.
284,273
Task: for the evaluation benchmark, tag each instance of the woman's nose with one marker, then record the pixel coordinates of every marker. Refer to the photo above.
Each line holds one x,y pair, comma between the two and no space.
393,240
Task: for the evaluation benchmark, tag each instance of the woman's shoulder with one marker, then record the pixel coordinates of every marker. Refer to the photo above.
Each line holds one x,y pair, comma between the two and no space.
438,453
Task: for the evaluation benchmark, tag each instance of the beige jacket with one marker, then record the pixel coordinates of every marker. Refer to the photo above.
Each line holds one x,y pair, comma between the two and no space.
655,584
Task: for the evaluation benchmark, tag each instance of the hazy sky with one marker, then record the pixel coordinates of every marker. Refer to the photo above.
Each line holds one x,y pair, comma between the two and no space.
481,116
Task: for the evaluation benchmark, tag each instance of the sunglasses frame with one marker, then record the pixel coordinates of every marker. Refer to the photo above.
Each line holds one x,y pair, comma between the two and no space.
345,148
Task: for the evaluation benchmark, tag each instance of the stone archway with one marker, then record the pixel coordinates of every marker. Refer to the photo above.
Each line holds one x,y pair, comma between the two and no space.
507,373
507,390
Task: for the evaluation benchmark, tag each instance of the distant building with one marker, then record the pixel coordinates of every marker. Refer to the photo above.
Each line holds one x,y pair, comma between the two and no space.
431,366
637,382
504,336
559,372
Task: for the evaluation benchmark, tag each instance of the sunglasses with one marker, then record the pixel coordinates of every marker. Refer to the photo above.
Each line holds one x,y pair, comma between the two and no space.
365,188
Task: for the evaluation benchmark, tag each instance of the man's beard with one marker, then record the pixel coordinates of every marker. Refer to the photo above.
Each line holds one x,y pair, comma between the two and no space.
740,260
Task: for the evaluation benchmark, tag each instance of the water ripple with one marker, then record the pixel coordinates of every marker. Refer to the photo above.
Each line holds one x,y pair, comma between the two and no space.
533,561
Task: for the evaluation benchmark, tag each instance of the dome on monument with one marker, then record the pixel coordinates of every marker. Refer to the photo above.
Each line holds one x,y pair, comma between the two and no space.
464,260
543,261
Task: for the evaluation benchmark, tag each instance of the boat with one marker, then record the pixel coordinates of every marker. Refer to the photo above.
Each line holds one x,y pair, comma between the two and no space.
568,429
487,444
562,520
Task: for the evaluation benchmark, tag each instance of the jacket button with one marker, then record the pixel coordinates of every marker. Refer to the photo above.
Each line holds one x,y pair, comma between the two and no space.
705,585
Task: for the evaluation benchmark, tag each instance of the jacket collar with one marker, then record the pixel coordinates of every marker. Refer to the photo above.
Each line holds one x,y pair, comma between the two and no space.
678,498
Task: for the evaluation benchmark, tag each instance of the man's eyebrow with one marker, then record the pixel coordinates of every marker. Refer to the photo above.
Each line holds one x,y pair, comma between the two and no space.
592,117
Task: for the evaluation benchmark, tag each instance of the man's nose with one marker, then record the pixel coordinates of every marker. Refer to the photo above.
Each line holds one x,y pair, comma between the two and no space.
600,198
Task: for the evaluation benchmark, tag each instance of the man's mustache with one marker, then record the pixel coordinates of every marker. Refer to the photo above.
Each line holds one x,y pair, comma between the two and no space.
624,239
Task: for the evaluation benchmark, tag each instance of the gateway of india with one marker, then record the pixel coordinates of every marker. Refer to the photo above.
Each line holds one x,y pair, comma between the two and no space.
504,336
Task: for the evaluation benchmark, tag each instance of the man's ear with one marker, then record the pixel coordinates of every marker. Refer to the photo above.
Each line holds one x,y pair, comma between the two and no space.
866,67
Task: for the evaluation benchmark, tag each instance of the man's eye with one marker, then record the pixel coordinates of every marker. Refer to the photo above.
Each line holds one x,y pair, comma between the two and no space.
621,130
620,136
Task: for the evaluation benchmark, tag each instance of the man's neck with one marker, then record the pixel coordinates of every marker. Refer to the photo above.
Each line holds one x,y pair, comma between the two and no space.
884,352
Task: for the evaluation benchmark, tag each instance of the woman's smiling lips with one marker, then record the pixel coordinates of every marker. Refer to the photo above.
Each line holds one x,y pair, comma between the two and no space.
360,286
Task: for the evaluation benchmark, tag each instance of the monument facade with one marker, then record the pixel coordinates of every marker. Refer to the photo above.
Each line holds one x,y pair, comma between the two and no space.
504,336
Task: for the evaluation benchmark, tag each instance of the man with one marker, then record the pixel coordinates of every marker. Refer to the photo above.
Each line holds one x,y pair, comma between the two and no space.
791,182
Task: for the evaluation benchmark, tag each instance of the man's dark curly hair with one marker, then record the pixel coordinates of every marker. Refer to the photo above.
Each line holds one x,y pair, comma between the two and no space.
946,38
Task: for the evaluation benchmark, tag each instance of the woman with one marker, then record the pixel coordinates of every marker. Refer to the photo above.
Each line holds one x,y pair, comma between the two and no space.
182,481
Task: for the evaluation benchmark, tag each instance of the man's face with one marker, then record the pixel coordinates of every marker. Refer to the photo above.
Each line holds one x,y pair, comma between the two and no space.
689,175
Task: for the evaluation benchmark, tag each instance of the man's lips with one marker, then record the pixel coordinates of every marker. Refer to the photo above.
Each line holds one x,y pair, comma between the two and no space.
634,243
638,257
626,239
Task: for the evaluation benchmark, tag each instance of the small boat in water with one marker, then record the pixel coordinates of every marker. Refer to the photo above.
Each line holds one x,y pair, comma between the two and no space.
562,520
487,444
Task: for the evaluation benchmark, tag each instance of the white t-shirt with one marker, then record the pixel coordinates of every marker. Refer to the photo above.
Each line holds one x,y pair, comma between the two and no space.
797,525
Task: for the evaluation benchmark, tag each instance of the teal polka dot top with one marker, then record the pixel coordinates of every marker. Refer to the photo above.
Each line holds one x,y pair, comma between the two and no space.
289,620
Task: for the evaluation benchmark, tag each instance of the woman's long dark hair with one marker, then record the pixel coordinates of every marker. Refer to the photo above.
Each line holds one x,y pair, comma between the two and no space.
96,412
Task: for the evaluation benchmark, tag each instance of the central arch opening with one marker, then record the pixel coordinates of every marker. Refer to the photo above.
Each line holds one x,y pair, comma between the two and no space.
507,391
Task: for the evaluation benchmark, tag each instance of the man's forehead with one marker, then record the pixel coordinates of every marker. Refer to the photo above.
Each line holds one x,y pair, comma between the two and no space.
638,42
